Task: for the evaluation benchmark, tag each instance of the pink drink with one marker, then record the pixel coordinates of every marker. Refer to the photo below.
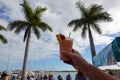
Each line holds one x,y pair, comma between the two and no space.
66,46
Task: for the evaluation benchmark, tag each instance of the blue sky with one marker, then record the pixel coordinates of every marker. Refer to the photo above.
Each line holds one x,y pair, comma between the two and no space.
44,53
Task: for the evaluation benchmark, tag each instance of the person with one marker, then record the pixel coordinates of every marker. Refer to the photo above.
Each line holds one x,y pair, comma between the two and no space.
108,71
60,77
80,76
4,76
45,77
51,77
28,77
41,77
68,77
13,77
38,77
32,77
81,65
18,77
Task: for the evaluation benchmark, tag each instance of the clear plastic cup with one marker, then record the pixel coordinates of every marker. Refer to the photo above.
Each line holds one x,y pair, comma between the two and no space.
66,45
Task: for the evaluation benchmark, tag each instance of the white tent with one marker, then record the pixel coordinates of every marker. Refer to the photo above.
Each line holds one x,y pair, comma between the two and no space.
30,73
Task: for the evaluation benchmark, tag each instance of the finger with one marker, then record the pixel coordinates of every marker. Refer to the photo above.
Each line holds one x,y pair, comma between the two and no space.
68,54
68,62
76,52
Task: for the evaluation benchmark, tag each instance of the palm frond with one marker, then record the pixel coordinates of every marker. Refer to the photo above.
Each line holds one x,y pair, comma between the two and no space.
36,18
97,28
94,9
84,30
3,39
2,28
26,33
78,23
21,27
39,10
104,16
15,24
84,11
75,28
37,33
27,10
73,22
43,26
80,5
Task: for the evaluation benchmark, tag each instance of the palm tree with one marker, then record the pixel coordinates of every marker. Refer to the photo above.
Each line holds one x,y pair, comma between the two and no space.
90,17
32,24
2,38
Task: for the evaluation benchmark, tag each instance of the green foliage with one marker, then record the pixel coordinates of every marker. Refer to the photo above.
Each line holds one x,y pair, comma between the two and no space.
2,38
33,21
2,28
91,16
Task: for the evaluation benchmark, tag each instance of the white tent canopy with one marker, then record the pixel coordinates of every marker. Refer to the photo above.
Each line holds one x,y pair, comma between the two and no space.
30,73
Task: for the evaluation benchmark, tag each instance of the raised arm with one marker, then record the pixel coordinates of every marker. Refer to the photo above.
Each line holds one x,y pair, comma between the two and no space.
92,72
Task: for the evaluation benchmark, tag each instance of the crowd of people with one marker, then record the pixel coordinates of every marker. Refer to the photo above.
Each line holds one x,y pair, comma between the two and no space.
50,76
5,76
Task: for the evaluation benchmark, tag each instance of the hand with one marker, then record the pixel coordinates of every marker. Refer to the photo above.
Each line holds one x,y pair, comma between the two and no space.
74,56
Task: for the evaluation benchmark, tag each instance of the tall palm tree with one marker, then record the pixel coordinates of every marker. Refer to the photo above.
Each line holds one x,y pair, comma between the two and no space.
90,17
2,38
32,24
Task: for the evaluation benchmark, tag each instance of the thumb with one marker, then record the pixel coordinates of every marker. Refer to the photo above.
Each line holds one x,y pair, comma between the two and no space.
67,54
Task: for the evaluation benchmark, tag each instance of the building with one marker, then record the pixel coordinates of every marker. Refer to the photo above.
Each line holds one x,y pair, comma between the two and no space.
109,55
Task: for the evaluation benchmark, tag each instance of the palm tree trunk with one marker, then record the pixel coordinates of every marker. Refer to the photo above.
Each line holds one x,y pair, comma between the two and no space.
92,46
25,57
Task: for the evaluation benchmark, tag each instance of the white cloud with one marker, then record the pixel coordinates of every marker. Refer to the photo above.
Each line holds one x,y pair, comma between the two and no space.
3,23
12,9
58,15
